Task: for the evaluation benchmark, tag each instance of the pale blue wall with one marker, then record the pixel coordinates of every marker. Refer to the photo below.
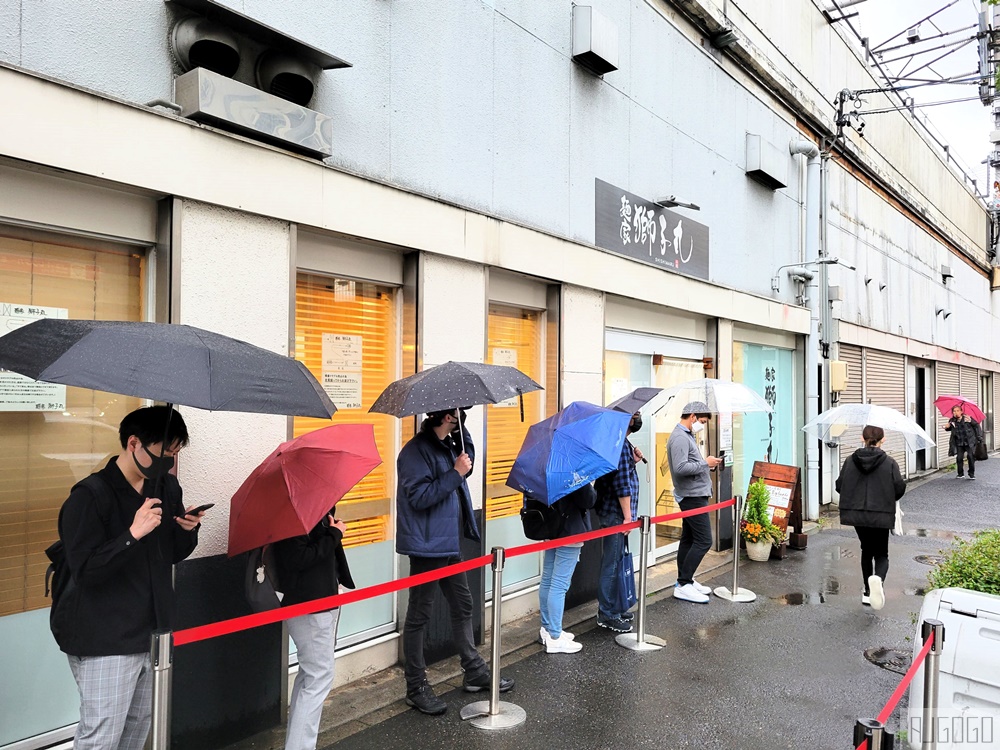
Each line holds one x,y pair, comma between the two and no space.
480,104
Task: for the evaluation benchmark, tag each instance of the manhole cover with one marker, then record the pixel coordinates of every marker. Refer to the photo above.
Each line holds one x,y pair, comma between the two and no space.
930,559
889,658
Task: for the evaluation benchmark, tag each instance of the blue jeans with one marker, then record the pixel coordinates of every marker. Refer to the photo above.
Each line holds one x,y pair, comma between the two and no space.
607,588
557,572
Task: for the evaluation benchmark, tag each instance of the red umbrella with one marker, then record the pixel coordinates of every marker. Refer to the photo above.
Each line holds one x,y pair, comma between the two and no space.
946,403
298,484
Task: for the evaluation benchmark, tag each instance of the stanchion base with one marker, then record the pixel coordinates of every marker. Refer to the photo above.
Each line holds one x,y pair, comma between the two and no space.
632,643
478,715
743,595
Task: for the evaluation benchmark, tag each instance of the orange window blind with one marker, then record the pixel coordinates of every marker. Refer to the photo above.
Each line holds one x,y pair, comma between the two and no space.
44,453
346,334
514,338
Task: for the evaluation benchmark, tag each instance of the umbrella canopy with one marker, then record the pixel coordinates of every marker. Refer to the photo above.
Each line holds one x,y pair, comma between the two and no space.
845,422
164,362
298,484
632,402
452,385
576,445
946,403
721,396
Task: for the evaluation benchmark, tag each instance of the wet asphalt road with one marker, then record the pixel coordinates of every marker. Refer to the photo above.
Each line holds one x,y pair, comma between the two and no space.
787,670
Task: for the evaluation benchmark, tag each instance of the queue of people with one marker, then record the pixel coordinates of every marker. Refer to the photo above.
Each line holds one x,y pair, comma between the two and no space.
124,527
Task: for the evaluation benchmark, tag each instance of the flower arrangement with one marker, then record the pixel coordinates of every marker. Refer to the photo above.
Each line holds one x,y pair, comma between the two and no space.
756,526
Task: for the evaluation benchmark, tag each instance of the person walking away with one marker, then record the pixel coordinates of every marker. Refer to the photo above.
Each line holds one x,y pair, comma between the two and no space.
558,565
870,485
312,566
120,546
617,503
965,433
433,510
691,475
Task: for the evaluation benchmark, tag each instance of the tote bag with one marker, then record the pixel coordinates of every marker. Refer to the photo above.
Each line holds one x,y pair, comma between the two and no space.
626,581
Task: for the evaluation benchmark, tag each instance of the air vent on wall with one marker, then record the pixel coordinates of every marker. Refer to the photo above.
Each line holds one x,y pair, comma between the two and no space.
595,40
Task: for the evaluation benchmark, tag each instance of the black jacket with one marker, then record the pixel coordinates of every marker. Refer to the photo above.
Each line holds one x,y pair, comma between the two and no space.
964,434
120,589
869,485
574,509
312,566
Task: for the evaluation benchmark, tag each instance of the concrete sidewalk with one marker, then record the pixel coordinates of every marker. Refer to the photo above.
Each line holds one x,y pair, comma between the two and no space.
788,670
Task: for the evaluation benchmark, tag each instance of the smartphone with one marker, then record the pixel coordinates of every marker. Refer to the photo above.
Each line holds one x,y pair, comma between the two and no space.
199,509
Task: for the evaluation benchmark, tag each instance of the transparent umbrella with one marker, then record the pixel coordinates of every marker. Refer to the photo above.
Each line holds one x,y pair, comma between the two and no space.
844,423
721,396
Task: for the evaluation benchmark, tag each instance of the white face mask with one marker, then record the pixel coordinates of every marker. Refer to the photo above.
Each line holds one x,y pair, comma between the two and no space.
697,427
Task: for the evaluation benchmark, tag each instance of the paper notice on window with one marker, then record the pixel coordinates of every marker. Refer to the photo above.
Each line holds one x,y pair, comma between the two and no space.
342,352
343,388
342,368
781,497
726,434
619,387
508,358
18,393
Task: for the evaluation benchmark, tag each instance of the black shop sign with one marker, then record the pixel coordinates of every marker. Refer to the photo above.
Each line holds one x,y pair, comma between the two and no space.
637,228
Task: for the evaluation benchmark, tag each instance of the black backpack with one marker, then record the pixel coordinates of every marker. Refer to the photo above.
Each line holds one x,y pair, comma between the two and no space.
541,521
57,575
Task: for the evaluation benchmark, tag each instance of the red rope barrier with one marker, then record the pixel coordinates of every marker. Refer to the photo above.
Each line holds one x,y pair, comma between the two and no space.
897,695
237,624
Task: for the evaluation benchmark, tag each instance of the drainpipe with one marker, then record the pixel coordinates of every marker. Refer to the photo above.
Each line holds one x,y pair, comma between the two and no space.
812,298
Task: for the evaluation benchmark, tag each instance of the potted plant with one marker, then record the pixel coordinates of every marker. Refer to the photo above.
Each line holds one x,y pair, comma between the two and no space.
756,528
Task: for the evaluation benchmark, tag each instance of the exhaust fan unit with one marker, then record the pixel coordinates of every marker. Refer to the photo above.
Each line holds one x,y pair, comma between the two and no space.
595,40
287,77
200,43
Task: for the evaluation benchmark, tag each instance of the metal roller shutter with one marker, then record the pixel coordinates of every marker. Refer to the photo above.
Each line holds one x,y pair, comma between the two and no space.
948,380
854,393
885,385
970,383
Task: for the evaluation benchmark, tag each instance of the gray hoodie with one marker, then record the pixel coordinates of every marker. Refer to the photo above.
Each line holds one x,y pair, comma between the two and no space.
688,469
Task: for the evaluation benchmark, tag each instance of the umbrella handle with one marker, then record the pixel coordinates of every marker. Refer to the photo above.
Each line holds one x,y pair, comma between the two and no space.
520,400
158,482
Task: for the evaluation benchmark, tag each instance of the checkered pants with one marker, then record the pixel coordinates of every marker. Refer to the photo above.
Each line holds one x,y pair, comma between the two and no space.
116,701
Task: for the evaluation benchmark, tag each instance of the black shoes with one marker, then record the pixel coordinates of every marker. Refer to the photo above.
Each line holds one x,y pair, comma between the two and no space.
628,616
481,681
617,624
424,700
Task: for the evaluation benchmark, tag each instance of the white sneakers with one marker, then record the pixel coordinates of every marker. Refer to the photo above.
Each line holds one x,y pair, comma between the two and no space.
543,635
689,592
876,595
701,589
564,644
866,600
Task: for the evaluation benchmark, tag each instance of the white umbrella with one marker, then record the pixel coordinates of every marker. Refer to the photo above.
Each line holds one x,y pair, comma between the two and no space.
845,422
721,396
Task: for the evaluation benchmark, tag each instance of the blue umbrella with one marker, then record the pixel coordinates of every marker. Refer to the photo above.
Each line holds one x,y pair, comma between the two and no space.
573,447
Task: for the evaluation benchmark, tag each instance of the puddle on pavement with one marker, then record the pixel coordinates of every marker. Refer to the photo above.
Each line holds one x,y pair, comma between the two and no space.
929,559
914,591
794,600
932,533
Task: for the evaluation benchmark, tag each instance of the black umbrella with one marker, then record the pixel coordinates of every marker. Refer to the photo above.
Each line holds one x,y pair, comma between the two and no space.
632,402
173,363
452,385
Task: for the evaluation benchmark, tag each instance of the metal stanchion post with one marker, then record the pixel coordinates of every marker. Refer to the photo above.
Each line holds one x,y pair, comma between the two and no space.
162,659
639,641
495,713
736,594
929,723
874,731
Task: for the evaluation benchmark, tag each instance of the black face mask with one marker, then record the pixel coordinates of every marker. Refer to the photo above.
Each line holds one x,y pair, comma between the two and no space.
635,425
158,465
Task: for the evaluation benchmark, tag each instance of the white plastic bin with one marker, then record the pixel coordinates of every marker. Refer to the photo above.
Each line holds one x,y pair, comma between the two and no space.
969,683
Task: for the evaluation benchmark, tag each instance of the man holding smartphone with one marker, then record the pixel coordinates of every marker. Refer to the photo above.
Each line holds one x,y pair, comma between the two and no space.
120,546
312,566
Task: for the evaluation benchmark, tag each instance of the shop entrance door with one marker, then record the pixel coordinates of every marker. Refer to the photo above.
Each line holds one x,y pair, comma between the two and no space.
624,372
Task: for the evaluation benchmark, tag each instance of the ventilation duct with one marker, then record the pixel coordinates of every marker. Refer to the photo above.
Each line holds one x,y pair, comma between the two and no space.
287,77
200,43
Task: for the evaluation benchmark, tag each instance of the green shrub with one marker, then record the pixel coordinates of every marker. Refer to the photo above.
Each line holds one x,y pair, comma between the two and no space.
970,564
